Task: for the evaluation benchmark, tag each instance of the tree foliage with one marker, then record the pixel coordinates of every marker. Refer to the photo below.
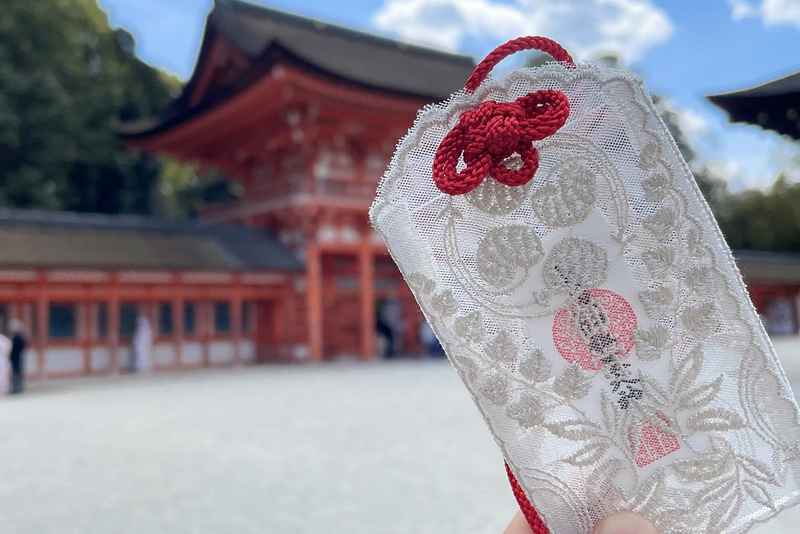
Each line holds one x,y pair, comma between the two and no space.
66,81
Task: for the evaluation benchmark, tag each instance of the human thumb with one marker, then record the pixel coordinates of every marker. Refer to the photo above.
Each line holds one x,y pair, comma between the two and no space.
626,523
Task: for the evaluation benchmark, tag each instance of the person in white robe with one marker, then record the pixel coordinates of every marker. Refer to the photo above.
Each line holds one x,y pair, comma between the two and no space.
143,345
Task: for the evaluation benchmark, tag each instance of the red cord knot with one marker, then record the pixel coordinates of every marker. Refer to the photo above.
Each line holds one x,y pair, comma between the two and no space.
491,133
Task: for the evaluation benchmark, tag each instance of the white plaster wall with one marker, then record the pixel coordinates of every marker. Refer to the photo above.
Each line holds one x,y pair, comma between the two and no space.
191,353
31,361
125,358
248,350
164,354
63,360
100,358
220,351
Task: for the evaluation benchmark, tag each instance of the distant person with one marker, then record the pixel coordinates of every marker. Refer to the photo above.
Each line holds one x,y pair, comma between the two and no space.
143,345
428,339
17,356
5,355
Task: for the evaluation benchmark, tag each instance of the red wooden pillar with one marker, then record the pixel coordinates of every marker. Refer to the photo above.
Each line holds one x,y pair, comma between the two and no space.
178,303
113,325
205,312
86,334
314,299
279,336
43,318
366,274
236,318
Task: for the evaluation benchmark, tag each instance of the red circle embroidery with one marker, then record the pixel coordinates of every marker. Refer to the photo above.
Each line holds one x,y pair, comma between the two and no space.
619,321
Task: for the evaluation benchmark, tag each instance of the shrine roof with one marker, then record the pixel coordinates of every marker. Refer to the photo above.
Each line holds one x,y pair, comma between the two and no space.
774,105
268,36
34,238
356,56
776,267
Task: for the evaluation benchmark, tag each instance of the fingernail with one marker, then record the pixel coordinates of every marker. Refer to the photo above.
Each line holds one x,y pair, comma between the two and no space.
626,523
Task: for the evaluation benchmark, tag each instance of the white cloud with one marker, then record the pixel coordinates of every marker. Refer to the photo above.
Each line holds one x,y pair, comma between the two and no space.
693,124
772,12
587,28
781,12
740,9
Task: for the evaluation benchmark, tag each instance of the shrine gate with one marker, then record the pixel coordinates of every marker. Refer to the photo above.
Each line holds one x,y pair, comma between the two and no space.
306,115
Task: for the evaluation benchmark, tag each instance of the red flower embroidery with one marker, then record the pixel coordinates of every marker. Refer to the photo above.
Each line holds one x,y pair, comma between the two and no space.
492,132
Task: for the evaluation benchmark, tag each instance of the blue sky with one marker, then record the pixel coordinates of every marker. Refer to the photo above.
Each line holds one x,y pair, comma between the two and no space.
685,49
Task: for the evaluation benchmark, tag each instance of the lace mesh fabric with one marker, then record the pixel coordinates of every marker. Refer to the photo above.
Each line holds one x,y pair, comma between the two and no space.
597,317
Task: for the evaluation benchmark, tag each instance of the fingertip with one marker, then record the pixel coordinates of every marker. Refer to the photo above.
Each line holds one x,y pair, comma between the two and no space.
518,525
626,523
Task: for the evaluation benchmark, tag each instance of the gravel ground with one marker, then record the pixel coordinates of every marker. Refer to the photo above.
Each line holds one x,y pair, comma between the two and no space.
340,448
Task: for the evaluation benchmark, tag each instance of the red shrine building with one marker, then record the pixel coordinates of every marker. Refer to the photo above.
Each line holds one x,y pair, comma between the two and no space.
305,116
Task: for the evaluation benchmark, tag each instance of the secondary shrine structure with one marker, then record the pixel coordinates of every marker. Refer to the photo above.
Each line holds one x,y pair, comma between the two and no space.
306,115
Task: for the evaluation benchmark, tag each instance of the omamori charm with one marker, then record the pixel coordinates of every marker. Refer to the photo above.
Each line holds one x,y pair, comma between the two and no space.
558,244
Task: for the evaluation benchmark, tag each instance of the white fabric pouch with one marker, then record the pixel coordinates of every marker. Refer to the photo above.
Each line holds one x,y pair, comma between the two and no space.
580,286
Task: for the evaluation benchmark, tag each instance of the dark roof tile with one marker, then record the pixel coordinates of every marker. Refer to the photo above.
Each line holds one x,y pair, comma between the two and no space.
59,239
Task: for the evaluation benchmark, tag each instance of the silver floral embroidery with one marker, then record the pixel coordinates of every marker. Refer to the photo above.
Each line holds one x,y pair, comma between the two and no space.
730,417
536,367
470,327
659,261
656,187
421,283
527,410
445,303
575,383
575,264
700,319
494,388
495,198
657,301
700,280
651,342
649,157
569,199
662,223
501,348
506,250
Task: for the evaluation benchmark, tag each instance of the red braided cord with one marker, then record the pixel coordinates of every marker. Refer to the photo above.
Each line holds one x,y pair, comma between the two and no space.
515,45
492,132
534,521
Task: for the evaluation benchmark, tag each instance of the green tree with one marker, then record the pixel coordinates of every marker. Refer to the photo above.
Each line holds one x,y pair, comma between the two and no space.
66,81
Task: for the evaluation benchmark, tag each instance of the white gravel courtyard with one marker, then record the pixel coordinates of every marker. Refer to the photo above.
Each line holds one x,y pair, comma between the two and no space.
341,448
